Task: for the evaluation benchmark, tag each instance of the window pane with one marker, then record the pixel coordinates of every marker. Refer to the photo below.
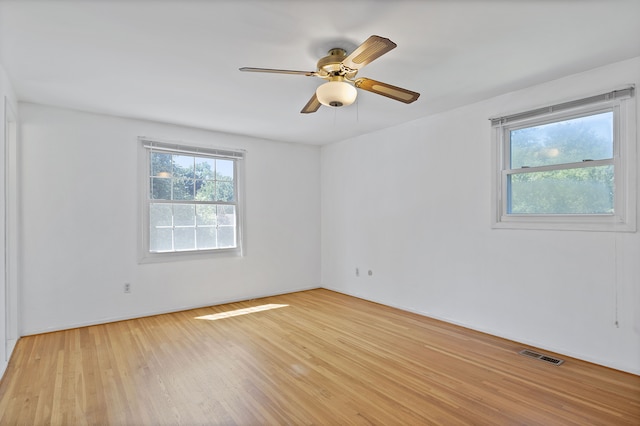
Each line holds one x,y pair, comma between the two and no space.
224,170
587,190
160,164
205,168
205,190
183,166
224,191
160,189
569,141
160,227
226,236
184,215
184,238
183,189
160,239
226,215
206,238
206,215
160,215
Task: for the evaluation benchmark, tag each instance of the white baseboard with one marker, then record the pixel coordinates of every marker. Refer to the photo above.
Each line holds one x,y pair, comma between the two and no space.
11,344
106,320
517,339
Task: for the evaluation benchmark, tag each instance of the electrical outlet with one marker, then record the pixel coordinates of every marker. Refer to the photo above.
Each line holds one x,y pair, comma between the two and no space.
127,287
370,272
357,272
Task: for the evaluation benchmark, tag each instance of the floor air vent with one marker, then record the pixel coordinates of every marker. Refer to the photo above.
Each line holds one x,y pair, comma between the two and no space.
545,358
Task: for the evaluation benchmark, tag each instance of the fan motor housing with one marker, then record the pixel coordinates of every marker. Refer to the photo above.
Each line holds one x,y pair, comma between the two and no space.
331,63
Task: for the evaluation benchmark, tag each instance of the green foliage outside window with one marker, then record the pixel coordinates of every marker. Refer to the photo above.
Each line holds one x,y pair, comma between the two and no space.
173,177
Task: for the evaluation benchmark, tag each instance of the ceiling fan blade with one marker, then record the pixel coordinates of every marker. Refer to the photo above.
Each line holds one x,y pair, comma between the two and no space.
372,48
312,106
274,71
384,89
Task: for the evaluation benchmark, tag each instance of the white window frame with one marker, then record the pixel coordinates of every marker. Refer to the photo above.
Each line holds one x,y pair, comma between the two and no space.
623,219
145,147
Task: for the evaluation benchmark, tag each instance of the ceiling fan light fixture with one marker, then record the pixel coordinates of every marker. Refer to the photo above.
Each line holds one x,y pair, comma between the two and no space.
340,70
336,93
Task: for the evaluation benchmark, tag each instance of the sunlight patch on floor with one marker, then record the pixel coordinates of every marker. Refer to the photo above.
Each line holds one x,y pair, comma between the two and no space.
237,312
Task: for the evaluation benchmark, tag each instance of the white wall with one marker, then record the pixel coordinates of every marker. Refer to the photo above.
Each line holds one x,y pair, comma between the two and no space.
412,203
8,272
80,229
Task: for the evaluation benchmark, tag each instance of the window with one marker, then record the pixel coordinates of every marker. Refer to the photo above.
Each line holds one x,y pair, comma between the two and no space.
568,166
191,200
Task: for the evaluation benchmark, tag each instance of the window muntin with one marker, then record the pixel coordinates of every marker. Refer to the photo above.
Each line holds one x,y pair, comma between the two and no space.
568,166
191,200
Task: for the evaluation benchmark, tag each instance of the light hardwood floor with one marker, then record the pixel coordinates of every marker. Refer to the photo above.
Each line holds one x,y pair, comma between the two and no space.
320,358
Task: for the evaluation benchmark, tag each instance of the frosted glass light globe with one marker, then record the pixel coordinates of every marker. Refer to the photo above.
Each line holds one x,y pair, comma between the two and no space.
336,94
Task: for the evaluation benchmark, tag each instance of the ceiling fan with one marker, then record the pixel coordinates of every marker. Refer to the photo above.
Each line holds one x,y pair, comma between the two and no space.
340,71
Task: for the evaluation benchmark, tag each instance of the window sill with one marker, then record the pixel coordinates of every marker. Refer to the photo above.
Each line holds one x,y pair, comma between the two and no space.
188,255
599,223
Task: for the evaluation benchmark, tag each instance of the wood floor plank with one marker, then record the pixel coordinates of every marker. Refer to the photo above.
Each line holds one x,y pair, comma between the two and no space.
314,357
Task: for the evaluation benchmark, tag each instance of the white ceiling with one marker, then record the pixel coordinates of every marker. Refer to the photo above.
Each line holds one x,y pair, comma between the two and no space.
177,61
